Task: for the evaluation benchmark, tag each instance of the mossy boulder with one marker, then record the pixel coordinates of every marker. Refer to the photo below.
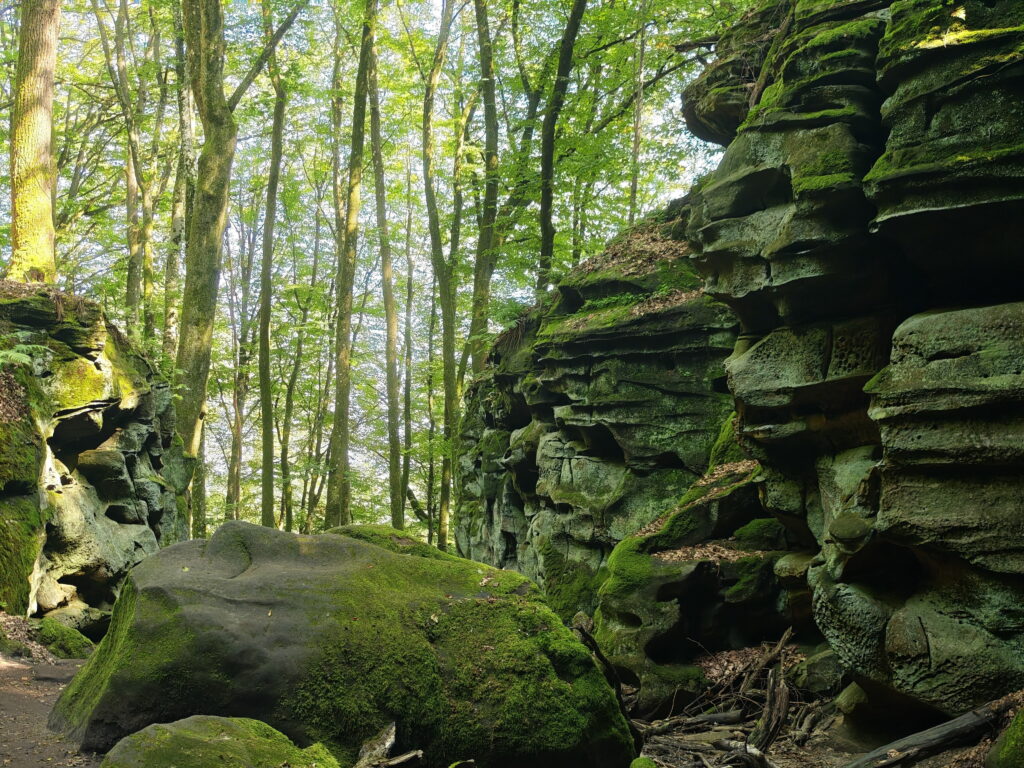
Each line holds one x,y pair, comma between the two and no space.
1008,749
91,478
329,638
63,642
202,741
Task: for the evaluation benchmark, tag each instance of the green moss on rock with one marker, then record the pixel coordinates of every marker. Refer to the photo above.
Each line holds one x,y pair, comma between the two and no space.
203,741
570,586
21,539
330,638
63,642
1008,749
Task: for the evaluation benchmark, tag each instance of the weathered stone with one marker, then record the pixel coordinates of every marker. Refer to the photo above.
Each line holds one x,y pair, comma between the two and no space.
597,413
464,658
77,425
878,175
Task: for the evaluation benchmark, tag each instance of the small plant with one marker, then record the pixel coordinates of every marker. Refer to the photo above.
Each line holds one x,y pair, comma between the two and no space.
20,354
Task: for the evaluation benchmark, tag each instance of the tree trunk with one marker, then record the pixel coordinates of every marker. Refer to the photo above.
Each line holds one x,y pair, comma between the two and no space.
442,272
390,311
339,488
486,255
184,189
32,183
407,384
266,286
204,32
547,146
198,497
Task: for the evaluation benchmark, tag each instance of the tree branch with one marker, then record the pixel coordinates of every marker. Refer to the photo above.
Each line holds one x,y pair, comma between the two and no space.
265,55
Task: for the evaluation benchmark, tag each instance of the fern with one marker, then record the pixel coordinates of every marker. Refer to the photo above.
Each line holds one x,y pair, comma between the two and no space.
20,354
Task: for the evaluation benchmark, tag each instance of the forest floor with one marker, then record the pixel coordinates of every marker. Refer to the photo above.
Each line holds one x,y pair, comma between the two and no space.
28,688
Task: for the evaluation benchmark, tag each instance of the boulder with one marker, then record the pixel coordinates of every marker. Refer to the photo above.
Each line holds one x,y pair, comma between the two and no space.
330,638
202,741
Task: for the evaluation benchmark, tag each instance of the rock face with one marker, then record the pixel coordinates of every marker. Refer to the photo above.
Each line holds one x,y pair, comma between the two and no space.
865,225
330,638
597,412
91,479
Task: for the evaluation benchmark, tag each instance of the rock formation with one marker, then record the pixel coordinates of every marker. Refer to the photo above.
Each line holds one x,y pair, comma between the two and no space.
865,228
330,638
599,409
91,477
202,741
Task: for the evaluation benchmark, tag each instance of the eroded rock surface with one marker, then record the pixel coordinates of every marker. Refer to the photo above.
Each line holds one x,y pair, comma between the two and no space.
865,226
91,478
598,411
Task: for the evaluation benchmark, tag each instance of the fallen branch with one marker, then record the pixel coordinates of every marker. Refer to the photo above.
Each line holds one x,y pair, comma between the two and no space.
742,749
966,729
683,723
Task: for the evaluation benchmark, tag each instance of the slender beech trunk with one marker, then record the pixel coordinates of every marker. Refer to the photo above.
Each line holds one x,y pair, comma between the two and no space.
443,272
486,251
32,178
407,384
638,114
198,503
339,488
184,189
431,416
266,285
547,139
390,311
289,395
204,34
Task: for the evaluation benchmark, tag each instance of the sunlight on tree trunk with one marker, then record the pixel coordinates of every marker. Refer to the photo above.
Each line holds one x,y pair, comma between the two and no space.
32,233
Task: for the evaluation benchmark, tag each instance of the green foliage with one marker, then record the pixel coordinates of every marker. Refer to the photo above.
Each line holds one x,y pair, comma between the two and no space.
21,354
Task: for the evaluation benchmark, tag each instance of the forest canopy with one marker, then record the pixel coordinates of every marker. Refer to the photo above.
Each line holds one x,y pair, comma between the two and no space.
332,206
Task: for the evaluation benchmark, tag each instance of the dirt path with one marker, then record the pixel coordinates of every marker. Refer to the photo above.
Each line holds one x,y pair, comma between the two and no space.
27,692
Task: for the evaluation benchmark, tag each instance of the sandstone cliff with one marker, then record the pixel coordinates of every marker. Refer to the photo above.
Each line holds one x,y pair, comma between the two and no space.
91,475
865,228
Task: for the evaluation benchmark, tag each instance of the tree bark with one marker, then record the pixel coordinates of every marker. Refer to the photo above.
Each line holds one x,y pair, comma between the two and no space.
204,33
339,486
547,148
443,273
397,495
181,198
32,183
266,285
486,255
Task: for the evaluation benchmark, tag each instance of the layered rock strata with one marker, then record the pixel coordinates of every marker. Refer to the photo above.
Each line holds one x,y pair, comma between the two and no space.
598,410
865,226
91,477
